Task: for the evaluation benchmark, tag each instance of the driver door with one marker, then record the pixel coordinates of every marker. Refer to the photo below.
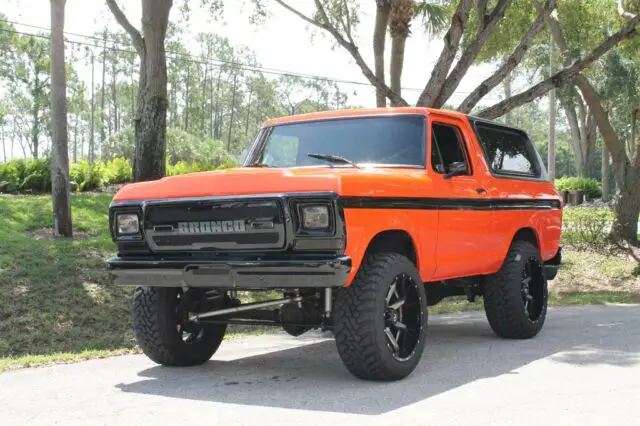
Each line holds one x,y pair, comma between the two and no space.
464,214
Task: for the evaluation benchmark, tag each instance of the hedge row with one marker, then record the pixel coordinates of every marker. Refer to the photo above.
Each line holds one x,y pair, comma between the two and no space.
591,188
34,176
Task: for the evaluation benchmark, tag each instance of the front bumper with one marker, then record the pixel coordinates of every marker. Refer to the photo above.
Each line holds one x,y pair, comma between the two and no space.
230,274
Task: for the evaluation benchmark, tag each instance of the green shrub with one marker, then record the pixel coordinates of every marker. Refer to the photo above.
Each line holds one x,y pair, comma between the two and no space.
87,177
37,176
590,187
26,176
586,225
9,178
117,171
183,168
181,146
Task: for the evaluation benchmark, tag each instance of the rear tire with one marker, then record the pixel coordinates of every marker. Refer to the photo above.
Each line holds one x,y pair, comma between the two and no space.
366,322
515,297
164,334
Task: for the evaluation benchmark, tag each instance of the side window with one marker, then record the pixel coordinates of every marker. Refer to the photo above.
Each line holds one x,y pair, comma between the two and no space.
508,152
447,147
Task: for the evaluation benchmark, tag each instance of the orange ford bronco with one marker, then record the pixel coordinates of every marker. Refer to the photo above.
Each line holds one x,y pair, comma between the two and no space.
352,221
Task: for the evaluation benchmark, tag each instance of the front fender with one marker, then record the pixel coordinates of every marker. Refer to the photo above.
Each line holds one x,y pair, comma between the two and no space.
363,224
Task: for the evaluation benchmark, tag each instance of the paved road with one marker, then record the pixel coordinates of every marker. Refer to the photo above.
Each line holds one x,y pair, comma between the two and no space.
584,368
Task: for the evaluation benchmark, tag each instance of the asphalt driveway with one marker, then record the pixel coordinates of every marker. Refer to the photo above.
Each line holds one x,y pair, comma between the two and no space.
583,368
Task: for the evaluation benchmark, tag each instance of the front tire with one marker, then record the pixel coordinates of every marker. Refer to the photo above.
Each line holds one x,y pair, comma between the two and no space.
380,320
516,297
164,334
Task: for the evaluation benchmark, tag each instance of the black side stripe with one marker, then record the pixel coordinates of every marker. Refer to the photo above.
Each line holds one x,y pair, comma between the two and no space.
413,203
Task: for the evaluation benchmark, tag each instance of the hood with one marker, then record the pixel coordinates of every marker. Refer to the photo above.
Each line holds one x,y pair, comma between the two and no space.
245,181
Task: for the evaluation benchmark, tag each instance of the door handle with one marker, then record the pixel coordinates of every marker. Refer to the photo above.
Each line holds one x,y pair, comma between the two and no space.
481,190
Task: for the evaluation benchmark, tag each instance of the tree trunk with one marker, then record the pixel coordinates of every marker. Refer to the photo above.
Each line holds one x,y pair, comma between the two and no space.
104,74
605,172
233,110
574,127
246,122
186,101
75,140
216,126
397,62
133,95
590,135
92,136
81,144
211,119
204,101
379,39
11,145
447,55
634,122
110,120
626,173
551,154
627,210
35,129
4,147
114,99
61,200
511,62
508,119
151,120
564,76
173,117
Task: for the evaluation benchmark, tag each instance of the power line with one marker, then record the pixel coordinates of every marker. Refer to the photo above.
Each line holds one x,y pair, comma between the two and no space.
199,60
196,59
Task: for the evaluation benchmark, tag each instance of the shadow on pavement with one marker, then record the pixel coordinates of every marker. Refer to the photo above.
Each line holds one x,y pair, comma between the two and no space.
461,349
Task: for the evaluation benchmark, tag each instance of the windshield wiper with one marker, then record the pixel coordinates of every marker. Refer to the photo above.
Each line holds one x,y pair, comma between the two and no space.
256,164
336,159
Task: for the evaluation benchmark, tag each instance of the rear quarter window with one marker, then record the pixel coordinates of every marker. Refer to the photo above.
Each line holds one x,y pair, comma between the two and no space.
509,152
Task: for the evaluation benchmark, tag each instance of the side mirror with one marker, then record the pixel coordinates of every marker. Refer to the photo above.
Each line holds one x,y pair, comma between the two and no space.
456,169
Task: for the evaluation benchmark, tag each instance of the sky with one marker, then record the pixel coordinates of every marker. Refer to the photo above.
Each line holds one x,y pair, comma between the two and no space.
283,42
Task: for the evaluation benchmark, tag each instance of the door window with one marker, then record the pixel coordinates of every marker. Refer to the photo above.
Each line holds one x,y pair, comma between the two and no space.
447,147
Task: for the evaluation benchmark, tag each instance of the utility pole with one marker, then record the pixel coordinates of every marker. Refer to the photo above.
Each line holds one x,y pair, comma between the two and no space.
551,154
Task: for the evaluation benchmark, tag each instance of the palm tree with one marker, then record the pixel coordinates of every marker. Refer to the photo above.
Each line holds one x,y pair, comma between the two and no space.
397,16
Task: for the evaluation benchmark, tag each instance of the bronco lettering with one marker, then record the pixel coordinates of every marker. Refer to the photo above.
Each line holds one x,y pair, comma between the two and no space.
212,227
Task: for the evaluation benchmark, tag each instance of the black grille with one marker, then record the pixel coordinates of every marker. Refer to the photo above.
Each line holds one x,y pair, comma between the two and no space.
244,239
215,225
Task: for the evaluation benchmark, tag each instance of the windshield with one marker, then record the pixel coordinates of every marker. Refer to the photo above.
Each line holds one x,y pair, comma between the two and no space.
383,140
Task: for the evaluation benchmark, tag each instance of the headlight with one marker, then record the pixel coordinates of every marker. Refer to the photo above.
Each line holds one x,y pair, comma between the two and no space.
315,217
127,224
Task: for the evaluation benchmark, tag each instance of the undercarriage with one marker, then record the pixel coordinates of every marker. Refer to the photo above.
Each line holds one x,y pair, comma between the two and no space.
296,311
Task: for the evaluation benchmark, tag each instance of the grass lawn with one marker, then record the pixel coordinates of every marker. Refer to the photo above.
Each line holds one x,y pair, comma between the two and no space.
56,304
